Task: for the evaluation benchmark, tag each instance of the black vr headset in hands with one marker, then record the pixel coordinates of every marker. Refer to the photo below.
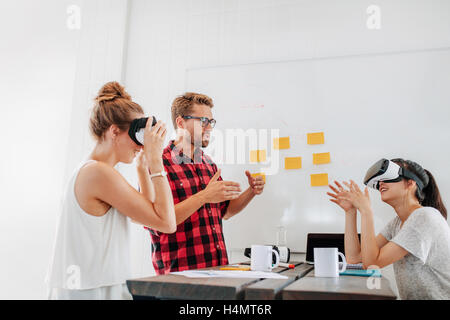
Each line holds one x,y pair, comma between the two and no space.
388,171
137,127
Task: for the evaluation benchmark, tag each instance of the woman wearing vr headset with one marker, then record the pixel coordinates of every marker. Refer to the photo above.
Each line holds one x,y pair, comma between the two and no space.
91,254
416,241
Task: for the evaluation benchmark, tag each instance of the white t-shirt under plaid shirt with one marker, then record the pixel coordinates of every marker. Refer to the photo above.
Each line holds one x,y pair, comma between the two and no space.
424,273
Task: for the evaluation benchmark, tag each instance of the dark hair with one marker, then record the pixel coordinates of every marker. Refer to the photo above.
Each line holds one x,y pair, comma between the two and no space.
429,196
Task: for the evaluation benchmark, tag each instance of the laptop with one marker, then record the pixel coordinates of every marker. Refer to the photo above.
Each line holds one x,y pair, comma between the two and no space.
324,240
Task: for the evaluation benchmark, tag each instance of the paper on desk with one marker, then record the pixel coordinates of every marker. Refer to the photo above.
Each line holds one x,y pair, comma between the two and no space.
229,274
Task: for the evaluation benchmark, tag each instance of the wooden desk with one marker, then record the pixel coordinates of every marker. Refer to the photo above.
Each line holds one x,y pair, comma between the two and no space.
301,284
342,288
172,286
271,289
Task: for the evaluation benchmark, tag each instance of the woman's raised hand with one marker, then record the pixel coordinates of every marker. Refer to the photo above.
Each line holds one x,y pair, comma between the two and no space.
154,141
359,199
346,205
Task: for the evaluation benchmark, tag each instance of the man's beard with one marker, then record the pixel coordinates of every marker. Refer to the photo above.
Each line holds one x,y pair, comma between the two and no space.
203,143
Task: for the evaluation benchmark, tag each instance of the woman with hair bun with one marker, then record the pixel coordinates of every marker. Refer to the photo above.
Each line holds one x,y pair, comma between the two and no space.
91,253
416,241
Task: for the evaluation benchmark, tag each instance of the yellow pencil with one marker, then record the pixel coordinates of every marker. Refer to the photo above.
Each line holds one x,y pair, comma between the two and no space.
236,268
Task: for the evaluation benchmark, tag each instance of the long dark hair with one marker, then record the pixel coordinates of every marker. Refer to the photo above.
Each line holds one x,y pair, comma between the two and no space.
429,196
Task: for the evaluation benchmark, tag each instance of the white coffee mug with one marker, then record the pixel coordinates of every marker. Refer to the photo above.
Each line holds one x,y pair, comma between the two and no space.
261,258
326,262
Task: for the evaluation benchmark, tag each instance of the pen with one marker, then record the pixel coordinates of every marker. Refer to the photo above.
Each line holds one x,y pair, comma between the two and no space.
236,268
287,265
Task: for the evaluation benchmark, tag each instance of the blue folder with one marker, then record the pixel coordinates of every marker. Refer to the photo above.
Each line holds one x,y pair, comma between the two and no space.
361,273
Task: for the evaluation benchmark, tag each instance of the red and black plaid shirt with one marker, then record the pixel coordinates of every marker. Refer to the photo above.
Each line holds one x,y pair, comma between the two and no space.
198,241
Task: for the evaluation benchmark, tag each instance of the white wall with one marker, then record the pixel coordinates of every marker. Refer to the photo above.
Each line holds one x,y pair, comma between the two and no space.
51,70
37,63
168,37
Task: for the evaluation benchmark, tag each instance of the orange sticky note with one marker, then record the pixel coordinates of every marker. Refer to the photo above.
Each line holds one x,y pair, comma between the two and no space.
316,138
257,155
320,179
321,158
281,143
254,175
293,163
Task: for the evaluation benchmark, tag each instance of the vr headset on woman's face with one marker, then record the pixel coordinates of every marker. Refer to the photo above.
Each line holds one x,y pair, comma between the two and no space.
136,131
388,171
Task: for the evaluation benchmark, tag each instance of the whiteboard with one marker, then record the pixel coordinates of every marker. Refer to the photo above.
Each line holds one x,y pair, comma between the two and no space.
369,107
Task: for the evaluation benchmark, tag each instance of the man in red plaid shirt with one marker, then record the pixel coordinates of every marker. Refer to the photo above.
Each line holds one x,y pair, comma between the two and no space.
202,199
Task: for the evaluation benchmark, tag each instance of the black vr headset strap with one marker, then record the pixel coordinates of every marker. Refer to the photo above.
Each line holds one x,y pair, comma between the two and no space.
409,175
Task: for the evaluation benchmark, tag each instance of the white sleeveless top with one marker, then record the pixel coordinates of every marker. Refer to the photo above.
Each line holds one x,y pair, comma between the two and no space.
89,252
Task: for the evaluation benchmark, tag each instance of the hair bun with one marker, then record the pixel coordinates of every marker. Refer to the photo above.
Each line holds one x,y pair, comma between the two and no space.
111,91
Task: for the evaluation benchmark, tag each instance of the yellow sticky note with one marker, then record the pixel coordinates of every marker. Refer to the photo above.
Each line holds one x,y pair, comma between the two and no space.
281,143
254,175
257,155
293,163
321,158
316,138
320,179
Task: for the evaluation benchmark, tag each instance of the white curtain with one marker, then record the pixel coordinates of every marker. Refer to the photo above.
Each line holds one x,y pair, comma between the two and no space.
51,69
